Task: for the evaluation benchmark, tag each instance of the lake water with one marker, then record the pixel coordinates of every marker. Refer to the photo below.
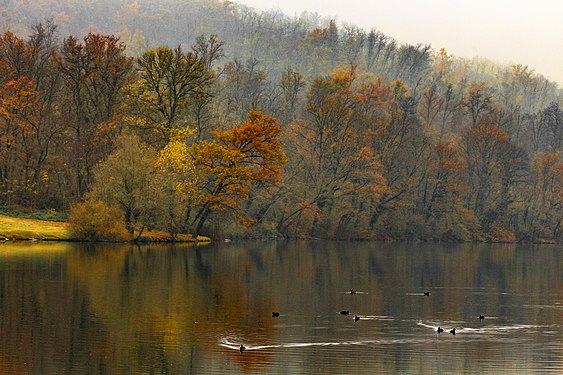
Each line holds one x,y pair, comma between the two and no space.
160,309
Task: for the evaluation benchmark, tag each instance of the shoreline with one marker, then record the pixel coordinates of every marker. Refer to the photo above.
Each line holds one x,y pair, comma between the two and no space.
23,229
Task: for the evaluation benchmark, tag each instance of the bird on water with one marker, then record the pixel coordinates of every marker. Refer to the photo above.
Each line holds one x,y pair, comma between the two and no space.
481,317
345,312
356,318
453,331
242,348
426,293
440,330
352,291
275,313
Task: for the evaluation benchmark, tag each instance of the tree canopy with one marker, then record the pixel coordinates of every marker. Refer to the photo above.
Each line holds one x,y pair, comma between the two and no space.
273,126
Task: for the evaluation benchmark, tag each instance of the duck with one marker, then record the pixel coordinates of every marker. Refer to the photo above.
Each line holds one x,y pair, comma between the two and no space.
426,293
481,316
275,313
452,331
440,330
352,291
345,312
356,318
242,348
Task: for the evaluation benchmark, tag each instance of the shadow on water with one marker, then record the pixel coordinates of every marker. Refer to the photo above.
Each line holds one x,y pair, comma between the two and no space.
106,309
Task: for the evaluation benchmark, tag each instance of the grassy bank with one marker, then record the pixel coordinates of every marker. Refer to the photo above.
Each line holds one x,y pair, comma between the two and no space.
17,228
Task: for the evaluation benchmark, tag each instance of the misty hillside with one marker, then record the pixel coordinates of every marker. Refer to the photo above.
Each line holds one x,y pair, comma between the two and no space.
276,40
308,43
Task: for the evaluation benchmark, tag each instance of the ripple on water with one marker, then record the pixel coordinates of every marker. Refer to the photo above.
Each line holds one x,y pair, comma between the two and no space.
485,330
234,343
555,307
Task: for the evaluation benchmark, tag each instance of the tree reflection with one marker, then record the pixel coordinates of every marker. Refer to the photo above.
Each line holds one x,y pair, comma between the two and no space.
105,309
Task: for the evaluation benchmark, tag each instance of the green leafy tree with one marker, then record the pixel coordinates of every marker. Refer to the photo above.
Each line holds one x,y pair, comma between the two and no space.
129,179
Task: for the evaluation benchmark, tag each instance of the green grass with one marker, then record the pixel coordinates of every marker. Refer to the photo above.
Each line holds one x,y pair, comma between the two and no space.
47,215
17,228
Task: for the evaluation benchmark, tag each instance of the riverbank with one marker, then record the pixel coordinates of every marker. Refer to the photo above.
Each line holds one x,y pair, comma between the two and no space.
16,228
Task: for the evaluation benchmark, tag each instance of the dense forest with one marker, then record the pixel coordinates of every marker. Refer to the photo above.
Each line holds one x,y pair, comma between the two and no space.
209,117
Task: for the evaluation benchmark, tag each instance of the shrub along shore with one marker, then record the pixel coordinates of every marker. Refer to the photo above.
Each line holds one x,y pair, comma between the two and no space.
17,228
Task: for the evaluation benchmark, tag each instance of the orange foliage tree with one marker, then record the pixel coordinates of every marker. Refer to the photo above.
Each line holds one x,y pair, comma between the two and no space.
217,175
18,107
17,99
337,155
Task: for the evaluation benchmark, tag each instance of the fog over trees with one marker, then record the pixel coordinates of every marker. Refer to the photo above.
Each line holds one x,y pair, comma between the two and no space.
212,118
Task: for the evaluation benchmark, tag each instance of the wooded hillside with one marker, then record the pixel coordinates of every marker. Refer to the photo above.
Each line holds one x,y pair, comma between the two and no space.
212,118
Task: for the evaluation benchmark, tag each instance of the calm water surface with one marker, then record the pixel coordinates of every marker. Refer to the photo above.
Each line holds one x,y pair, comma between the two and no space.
85,309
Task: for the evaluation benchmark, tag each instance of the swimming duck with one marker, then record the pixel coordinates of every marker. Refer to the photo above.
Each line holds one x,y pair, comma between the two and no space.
352,291
356,318
481,316
426,293
440,330
345,312
242,348
275,313
453,331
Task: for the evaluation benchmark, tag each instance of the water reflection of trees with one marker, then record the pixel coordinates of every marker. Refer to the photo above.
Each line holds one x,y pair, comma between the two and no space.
162,309
157,302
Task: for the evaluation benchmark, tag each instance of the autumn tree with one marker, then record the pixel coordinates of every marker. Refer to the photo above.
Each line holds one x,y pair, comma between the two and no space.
491,173
513,173
129,179
404,149
292,83
17,101
244,87
329,148
227,169
209,50
477,101
442,199
169,79
45,124
552,121
95,72
180,186
93,220
542,213
334,157
28,91
15,92
322,43
438,101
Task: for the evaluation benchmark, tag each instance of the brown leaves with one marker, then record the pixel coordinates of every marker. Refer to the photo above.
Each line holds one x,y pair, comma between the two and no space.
223,172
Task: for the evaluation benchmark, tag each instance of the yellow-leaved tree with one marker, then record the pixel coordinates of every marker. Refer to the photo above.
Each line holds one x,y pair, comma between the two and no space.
217,175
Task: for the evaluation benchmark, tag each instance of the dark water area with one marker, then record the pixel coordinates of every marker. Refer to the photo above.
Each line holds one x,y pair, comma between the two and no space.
162,309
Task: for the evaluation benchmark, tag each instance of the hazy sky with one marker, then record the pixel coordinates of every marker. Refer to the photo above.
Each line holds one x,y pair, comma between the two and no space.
506,31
